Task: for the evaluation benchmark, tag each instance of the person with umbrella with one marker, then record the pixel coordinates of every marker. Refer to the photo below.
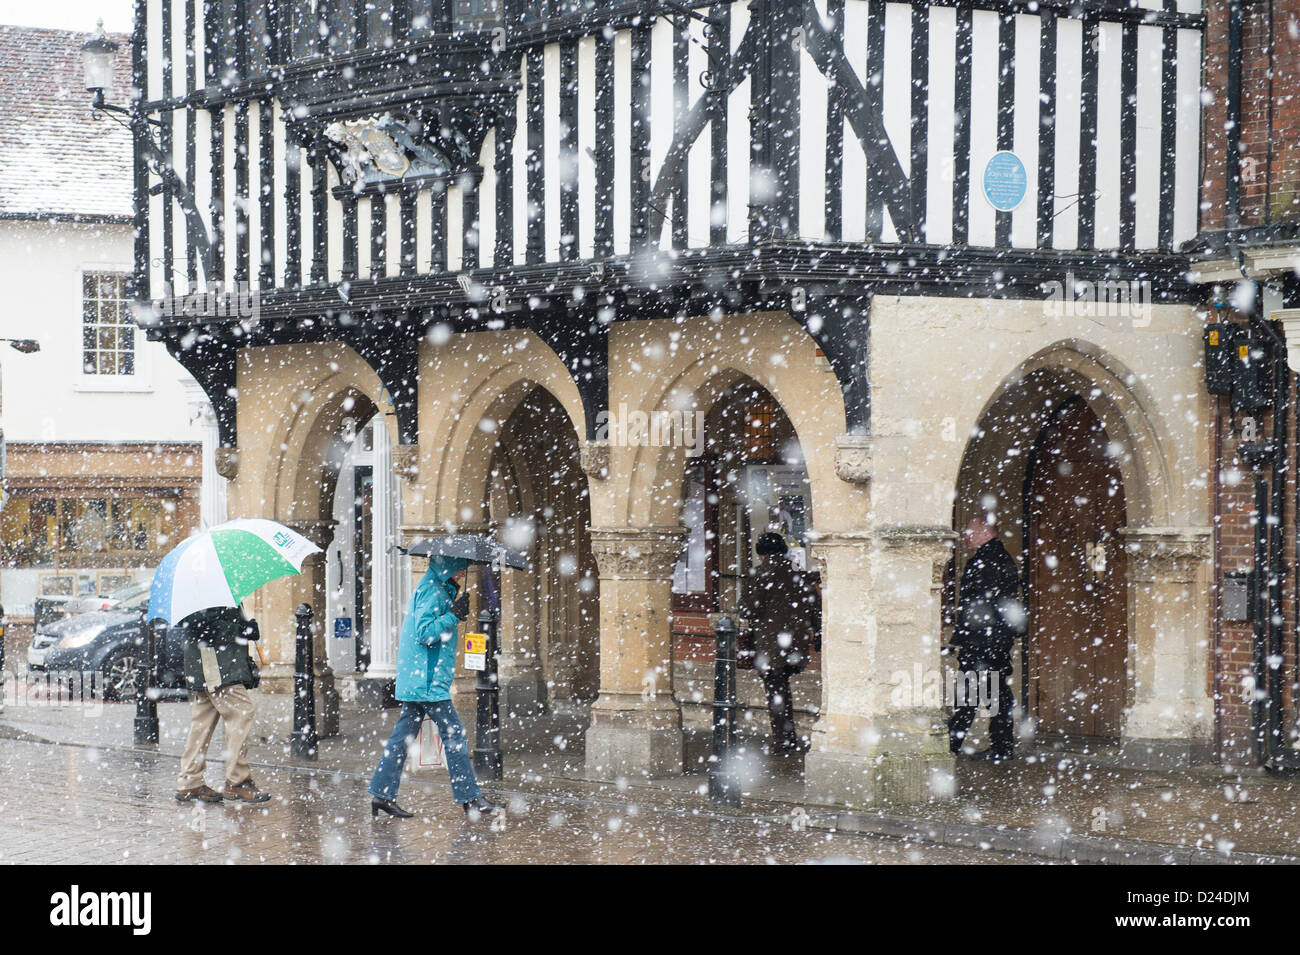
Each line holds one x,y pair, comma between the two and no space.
426,663
200,584
219,674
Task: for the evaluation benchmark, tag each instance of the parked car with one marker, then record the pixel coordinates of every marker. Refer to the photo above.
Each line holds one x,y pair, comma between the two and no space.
130,594
50,608
108,642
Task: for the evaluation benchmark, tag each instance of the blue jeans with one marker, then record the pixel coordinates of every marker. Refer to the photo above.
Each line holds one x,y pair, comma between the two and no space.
388,775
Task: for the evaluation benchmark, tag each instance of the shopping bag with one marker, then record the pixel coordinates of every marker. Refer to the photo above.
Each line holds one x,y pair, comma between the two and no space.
430,754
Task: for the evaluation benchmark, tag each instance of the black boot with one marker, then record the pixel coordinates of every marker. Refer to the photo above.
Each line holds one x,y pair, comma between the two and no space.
483,806
389,806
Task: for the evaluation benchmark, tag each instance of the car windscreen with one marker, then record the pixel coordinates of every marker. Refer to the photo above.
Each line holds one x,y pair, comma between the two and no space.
128,593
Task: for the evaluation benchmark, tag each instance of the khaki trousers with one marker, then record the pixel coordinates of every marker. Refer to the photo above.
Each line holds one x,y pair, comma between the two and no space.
234,707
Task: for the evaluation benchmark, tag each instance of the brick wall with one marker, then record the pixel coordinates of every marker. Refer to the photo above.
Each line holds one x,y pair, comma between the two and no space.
1234,549
1270,174
1235,527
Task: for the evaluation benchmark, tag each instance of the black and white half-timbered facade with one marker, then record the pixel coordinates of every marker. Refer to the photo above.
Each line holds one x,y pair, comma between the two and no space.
632,282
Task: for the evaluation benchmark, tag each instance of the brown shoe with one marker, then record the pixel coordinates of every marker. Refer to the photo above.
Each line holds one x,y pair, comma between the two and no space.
246,791
200,794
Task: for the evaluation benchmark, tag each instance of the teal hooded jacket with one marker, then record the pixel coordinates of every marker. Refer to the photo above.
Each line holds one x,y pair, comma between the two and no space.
426,653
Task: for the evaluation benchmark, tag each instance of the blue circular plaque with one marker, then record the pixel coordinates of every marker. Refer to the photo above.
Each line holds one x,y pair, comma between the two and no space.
1005,181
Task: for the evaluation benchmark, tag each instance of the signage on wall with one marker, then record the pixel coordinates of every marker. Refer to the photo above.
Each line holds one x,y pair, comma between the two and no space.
1005,181
475,651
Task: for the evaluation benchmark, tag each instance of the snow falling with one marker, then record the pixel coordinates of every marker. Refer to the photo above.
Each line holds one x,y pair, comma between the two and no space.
841,431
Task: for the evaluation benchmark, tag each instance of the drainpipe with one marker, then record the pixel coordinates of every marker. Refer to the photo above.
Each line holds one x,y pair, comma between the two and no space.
1216,611
1268,567
1276,568
1232,161
1259,717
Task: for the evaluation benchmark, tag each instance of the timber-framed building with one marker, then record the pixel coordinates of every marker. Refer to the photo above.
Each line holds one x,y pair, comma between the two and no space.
900,259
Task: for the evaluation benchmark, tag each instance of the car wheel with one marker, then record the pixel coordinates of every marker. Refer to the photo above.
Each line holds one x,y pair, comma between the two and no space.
119,672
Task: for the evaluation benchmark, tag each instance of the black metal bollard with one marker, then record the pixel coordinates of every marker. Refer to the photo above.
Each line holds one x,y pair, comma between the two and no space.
723,787
303,741
487,728
146,685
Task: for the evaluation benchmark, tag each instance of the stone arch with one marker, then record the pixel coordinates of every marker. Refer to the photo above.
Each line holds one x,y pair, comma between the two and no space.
1166,711
456,454
1115,395
288,472
332,382
780,360
503,377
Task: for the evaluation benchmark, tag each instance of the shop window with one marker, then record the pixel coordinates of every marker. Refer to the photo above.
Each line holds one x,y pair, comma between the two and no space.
44,532
693,576
760,429
29,532
107,332
467,14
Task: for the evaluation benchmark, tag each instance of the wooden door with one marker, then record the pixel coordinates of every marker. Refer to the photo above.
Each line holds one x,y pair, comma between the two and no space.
1078,600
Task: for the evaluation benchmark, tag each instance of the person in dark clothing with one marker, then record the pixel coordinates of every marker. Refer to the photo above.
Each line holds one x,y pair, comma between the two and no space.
219,673
989,619
783,614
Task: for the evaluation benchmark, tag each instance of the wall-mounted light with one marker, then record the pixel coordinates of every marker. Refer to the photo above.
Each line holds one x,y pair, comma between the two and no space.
99,57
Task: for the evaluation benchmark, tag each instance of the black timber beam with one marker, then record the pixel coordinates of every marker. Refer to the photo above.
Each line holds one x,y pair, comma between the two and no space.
581,341
391,346
209,354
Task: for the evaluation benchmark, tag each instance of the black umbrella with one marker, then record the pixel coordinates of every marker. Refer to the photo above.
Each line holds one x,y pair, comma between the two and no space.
471,547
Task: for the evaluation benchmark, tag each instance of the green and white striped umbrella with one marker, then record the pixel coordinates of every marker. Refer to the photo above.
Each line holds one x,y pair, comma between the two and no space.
223,565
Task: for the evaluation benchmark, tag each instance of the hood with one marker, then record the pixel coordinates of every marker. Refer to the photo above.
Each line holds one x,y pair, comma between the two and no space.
96,619
442,569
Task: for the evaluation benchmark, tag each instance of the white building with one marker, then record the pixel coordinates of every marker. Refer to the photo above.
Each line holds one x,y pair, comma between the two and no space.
105,431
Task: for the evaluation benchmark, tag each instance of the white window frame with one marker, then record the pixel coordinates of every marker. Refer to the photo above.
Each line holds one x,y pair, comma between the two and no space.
142,379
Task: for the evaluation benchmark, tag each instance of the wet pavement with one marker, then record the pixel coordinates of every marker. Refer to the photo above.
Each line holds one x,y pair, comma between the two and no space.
1056,795
1046,796
67,804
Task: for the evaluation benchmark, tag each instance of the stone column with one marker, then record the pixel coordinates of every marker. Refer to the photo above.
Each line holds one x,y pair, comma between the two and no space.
388,584
636,723
309,588
881,737
212,497
1171,719
519,667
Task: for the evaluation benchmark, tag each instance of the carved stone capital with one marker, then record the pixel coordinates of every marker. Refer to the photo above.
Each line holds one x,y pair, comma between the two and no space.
931,543
227,461
853,458
410,533
406,459
594,458
934,544
1165,554
637,553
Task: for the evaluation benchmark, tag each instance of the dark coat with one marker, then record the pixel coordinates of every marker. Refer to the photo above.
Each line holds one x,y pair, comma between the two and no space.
779,599
990,616
225,632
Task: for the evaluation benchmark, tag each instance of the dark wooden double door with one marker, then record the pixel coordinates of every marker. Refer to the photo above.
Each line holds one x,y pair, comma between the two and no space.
1077,591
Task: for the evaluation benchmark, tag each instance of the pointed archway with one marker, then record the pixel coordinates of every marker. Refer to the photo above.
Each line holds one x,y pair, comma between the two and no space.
1075,465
